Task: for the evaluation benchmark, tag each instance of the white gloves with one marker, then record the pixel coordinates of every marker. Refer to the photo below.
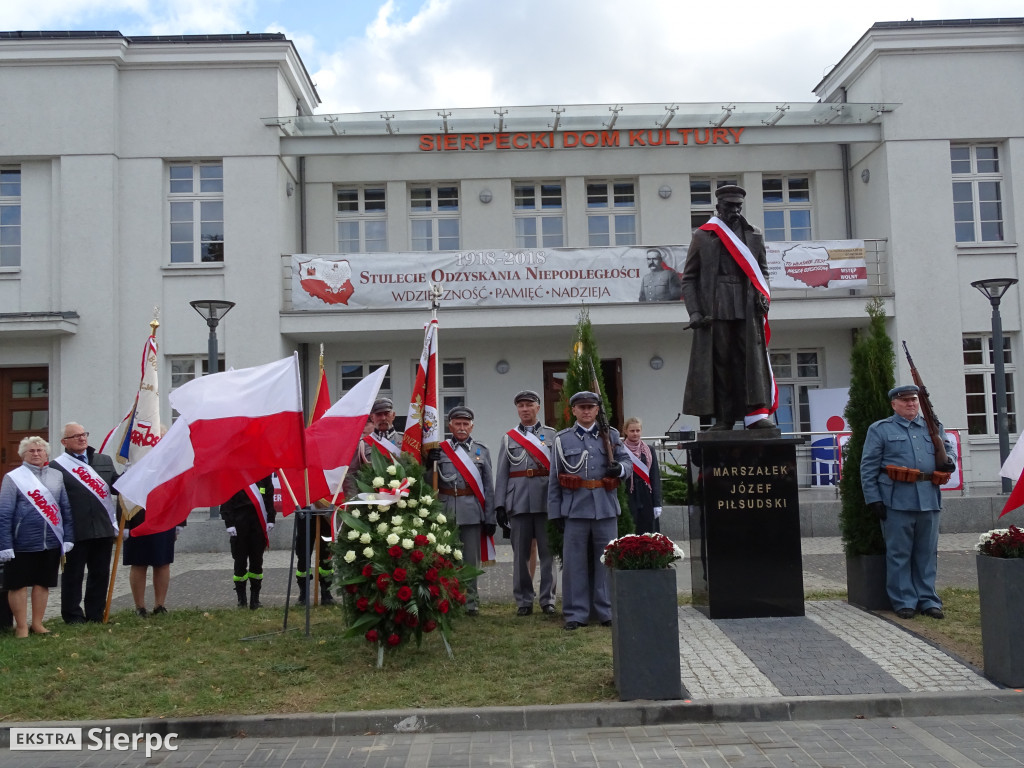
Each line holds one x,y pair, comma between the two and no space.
232,531
125,534
68,546
270,527
6,555
657,512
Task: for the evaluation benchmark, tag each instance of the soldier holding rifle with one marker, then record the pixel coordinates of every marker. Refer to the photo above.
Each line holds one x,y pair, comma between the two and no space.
907,458
587,465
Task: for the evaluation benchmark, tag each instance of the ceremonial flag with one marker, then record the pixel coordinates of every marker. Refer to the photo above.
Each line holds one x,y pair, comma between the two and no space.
235,428
423,426
295,478
1013,468
139,430
331,439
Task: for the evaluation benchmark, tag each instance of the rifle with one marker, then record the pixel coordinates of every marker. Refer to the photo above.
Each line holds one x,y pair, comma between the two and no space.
928,412
602,417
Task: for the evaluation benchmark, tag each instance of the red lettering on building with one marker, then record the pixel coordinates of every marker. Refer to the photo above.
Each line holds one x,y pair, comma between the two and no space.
720,135
636,138
467,141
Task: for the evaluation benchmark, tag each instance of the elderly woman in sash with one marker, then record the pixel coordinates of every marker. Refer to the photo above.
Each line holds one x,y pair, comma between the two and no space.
644,490
36,530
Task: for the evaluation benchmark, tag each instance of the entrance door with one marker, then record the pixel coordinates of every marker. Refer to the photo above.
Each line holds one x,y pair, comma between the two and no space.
24,410
554,380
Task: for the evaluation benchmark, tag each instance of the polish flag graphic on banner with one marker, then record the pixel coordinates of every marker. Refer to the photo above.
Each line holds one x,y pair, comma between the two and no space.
423,427
234,428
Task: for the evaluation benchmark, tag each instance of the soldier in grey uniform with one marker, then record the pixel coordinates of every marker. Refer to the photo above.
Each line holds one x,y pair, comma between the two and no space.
659,284
583,503
455,489
521,501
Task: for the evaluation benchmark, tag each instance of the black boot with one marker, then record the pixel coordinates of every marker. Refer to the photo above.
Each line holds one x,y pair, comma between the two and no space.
240,591
301,581
326,598
254,597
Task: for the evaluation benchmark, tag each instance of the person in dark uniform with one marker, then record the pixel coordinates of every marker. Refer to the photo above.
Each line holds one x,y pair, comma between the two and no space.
521,501
249,517
319,525
466,489
88,476
725,284
583,503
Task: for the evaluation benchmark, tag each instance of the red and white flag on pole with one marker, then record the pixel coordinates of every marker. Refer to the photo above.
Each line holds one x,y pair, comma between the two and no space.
295,477
423,426
234,428
139,430
1013,468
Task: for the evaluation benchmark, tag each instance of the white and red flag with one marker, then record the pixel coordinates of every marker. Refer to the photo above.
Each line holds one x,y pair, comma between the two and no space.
295,478
1013,468
139,430
234,428
423,426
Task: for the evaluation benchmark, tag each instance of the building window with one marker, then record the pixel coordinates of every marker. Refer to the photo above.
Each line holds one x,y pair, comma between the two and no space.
977,193
453,386
10,217
611,212
196,196
796,371
184,368
434,217
980,385
539,214
361,217
787,207
702,199
351,372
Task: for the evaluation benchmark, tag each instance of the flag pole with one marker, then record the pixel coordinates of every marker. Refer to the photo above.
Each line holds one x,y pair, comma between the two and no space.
153,325
315,555
435,304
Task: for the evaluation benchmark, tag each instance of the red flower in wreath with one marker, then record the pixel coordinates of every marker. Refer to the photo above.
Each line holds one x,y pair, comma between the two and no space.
372,636
400,615
362,604
416,555
404,593
411,621
379,608
394,639
398,574
443,606
351,588
395,551
420,540
382,582
368,570
435,591
429,625
431,575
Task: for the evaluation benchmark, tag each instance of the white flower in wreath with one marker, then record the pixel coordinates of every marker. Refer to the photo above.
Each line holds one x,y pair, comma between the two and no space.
441,519
424,513
373,517
412,481
397,520
377,482
428,500
402,504
382,528
394,483
399,530
412,503
392,539
416,522
368,553
392,470
457,555
431,538
407,544
353,535
350,556
364,539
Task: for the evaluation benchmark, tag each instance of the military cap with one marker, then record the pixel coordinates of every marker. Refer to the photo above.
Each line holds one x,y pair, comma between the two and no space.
461,412
584,398
905,391
382,405
731,193
527,394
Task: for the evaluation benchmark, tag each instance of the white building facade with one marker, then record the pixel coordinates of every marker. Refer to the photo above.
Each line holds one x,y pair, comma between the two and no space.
143,172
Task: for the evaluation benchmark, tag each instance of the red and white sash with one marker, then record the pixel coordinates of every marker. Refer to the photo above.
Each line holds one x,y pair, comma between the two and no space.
92,482
253,492
533,446
748,263
40,498
387,449
467,468
640,469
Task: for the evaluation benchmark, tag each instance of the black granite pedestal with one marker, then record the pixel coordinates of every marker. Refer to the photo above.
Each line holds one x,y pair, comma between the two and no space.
745,558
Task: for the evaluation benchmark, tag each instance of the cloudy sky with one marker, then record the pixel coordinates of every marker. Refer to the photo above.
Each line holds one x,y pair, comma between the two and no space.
367,55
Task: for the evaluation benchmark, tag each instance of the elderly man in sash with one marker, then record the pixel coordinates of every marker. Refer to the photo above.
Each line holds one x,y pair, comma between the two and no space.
466,488
88,477
583,503
725,287
36,529
521,501
384,438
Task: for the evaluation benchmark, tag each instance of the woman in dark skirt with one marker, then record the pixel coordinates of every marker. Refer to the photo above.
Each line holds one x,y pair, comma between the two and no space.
154,550
644,493
36,529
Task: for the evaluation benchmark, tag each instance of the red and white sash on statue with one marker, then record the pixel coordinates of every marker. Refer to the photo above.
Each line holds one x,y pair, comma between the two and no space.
387,449
533,446
40,498
748,263
253,492
640,469
92,482
465,466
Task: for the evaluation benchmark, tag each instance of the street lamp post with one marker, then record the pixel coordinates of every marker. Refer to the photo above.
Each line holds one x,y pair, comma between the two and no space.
212,310
994,288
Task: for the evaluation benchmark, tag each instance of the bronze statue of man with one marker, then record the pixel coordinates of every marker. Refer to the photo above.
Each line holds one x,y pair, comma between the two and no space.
725,287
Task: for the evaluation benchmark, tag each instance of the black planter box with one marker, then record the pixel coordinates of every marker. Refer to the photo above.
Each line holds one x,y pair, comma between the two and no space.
745,557
865,582
1001,595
